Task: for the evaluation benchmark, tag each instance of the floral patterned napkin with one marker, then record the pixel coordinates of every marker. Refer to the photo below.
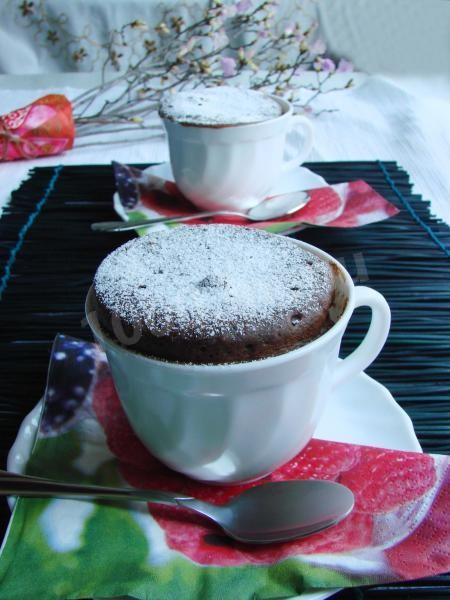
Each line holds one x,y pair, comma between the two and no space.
42,128
399,529
144,195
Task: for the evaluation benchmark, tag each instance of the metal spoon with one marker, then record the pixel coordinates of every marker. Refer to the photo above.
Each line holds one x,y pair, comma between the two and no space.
270,208
271,512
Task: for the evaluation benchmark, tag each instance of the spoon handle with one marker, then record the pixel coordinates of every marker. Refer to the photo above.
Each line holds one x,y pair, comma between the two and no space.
130,225
12,484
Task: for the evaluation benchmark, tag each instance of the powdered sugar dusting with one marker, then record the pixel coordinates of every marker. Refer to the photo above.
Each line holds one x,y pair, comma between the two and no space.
210,280
223,105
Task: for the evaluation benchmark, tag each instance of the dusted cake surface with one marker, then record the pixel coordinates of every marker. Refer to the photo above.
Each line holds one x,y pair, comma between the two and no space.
219,106
213,294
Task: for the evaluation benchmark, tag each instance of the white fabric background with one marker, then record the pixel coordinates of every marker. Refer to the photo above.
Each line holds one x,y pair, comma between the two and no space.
376,120
379,36
389,36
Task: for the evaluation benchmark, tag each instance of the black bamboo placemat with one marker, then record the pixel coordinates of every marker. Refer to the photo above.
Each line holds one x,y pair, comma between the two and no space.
48,256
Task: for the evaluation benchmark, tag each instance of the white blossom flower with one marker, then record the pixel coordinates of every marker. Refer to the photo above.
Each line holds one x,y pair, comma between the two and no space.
162,28
289,29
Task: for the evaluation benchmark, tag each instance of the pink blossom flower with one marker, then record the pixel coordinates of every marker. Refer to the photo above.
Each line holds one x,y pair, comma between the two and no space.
344,66
306,110
328,65
228,66
324,64
243,5
318,47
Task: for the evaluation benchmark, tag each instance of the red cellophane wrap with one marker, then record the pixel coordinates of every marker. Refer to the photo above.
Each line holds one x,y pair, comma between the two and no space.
42,128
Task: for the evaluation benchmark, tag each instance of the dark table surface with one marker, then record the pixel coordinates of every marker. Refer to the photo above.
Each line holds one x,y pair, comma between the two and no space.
48,256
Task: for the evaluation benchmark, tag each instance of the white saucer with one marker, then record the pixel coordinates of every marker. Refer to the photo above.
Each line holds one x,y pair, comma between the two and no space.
295,180
360,411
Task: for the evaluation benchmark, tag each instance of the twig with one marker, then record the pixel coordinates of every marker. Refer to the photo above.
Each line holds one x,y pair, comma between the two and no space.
193,55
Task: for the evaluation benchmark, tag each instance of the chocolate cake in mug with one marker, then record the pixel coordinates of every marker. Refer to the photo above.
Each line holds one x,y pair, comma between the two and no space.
229,146
212,294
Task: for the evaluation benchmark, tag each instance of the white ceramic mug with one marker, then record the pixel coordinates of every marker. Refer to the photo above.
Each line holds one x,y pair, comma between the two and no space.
238,422
234,166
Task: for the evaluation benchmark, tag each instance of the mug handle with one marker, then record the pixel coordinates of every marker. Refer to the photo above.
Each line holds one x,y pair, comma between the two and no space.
298,121
374,339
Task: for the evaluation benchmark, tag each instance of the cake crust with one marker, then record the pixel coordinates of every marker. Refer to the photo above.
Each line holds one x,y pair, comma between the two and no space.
211,294
221,106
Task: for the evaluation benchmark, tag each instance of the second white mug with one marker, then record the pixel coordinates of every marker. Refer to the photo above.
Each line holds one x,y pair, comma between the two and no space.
235,166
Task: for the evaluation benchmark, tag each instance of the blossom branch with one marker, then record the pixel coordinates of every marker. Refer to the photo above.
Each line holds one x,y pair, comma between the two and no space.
237,42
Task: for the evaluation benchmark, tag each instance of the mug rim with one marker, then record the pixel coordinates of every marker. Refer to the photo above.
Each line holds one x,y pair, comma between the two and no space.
244,366
287,112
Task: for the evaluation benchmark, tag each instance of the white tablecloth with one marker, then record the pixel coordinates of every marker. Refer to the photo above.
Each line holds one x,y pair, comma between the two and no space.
376,120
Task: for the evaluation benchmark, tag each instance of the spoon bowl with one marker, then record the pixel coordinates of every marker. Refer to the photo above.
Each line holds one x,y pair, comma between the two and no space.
285,510
272,512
